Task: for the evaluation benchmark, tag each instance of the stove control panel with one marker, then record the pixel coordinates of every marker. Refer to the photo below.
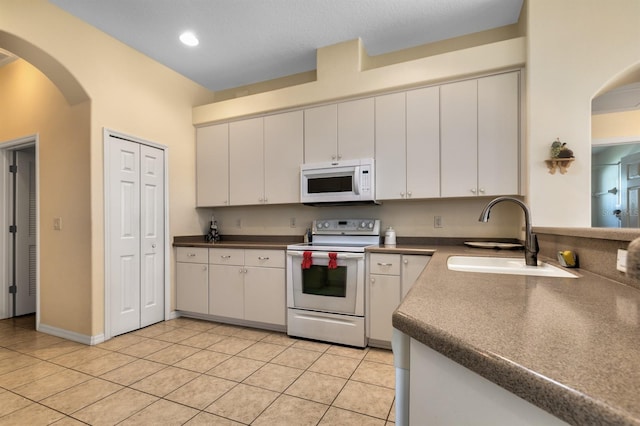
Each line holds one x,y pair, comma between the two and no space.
346,226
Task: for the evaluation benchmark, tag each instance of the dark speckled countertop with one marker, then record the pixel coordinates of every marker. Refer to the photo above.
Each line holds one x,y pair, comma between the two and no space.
569,346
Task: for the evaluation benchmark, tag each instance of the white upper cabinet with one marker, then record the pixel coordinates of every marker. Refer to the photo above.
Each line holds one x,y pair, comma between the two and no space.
459,138
343,131
423,143
391,150
480,136
499,134
246,162
212,166
408,145
356,129
283,155
265,154
321,134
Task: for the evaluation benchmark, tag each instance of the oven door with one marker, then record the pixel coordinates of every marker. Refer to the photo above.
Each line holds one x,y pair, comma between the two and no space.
318,288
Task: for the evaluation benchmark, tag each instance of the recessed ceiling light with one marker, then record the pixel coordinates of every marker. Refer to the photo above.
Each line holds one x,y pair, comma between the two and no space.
189,38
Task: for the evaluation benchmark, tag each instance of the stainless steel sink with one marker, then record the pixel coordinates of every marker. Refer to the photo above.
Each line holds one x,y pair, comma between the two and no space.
505,265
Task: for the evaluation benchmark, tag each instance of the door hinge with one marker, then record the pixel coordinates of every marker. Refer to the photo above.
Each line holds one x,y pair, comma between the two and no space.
13,289
13,229
13,168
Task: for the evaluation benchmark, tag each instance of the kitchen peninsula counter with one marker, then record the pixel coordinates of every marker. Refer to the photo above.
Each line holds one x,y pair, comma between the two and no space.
569,346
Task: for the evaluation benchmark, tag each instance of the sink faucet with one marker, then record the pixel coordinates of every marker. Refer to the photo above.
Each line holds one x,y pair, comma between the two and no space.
530,239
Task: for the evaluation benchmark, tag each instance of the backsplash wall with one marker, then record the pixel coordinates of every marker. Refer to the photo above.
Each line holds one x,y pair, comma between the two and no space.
414,218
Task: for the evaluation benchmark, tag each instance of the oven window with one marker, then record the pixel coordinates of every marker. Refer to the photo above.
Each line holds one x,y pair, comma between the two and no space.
322,281
330,184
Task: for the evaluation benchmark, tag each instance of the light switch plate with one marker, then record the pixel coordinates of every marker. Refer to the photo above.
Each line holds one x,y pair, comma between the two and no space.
621,260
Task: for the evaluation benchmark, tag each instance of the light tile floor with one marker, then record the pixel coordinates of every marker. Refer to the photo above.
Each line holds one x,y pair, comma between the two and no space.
192,372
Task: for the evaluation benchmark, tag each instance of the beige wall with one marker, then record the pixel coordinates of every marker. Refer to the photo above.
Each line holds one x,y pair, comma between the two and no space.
130,94
575,48
30,104
623,125
410,218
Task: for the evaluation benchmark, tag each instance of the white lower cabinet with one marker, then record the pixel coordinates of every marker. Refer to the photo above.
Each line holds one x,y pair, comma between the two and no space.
248,284
192,280
390,278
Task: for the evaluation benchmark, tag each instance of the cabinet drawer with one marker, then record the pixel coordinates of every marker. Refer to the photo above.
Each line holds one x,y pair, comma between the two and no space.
192,255
221,256
267,258
384,264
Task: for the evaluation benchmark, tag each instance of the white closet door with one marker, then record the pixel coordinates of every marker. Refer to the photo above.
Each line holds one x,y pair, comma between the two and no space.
124,216
152,235
136,241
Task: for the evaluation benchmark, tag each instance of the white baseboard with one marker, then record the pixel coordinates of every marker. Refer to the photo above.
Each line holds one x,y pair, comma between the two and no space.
70,335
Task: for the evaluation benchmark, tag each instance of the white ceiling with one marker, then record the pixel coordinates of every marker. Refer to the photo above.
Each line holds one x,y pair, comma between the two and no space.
249,41
624,98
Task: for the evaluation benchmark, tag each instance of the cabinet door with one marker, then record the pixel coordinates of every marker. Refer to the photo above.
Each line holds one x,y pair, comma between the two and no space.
412,267
498,134
356,129
264,295
423,143
459,138
212,166
283,154
246,162
391,156
384,299
192,287
321,134
226,291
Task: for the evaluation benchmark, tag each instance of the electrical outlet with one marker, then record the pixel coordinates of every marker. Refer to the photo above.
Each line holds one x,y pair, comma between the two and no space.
621,260
437,221
292,222
57,224
238,223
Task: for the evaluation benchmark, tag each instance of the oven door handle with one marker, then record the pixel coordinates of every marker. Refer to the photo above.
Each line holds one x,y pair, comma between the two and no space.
325,255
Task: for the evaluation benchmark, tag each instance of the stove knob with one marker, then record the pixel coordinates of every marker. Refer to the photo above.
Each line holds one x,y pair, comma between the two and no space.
319,225
370,225
326,225
363,225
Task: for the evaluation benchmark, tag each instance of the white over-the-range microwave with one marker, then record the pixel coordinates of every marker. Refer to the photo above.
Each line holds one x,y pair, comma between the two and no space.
338,182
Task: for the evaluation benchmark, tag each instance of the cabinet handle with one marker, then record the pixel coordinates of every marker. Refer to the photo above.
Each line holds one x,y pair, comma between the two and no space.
333,157
402,194
339,156
482,190
473,190
191,255
406,262
225,256
373,280
263,258
385,264
409,194
204,268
